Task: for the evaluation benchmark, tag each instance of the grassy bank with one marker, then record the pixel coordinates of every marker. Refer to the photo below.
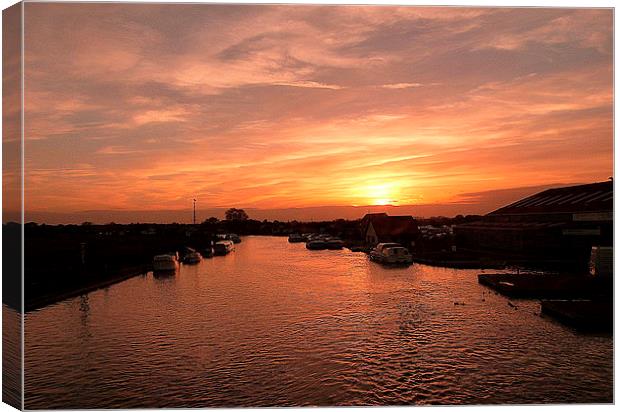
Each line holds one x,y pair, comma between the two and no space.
82,286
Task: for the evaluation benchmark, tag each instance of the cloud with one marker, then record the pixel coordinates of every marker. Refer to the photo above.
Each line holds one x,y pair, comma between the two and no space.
281,106
571,27
115,150
401,85
165,115
310,84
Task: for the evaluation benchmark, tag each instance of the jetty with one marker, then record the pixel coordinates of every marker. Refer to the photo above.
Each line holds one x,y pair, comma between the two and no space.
584,303
543,286
585,315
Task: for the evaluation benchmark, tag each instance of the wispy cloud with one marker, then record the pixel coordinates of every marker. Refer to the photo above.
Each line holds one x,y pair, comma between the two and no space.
293,106
401,85
115,150
310,85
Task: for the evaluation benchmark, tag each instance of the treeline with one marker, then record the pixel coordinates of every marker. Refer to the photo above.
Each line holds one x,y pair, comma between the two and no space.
236,221
340,227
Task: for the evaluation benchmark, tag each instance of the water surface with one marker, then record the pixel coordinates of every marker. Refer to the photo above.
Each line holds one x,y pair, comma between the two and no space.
276,324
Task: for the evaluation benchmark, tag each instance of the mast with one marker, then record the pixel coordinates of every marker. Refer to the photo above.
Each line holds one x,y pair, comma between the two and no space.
194,211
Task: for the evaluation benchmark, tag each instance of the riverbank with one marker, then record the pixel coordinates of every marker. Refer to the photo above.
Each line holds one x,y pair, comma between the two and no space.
88,284
66,261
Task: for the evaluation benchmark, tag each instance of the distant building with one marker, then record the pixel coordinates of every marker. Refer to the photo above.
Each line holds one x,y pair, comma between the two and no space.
554,225
379,228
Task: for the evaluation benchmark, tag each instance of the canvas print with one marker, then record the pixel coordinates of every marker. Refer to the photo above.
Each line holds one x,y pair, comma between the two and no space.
237,205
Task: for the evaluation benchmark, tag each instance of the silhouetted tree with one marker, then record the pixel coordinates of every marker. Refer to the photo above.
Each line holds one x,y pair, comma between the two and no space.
236,214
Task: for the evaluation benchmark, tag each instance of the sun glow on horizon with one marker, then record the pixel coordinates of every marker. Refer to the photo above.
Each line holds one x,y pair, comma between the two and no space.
381,194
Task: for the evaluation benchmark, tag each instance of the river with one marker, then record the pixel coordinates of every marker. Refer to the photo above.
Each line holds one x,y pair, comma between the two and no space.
276,324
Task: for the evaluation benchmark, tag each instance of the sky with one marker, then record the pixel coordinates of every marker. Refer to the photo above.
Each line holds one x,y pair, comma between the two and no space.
145,107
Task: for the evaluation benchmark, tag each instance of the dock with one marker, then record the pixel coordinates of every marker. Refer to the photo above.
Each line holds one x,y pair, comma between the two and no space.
584,303
583,315
542,286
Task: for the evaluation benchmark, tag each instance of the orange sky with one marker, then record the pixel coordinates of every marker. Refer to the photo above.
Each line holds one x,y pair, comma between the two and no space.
144,107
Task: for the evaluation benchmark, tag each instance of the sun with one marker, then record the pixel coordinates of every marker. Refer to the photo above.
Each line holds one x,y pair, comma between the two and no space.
380,194
369,191
381,202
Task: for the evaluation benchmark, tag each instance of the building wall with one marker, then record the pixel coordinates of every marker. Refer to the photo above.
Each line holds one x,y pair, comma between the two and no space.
570,243
371,235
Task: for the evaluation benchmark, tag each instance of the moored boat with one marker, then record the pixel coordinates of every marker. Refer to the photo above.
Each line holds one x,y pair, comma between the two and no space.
316,245
295,238
312,236
166,262
192,257
391,253
207,252
223,247
334,244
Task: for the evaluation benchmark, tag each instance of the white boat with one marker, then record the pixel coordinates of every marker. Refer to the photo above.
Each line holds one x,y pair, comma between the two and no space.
192,257
377,251
167,262
223,247
229,236
295,238
313,236
391,253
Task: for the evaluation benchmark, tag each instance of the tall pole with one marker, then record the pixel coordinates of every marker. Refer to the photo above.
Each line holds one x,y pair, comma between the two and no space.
194,211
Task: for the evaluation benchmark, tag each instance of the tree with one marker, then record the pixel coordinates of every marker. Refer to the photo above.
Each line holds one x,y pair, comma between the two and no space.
236,214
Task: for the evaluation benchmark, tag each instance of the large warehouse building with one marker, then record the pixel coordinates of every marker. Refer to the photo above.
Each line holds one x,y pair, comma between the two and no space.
554,226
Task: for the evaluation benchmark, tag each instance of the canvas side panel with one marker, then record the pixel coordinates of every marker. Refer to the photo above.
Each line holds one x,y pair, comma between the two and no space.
12,206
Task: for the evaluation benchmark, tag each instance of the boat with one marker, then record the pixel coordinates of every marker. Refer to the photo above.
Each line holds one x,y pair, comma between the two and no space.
295,238
229,236
391,253
377,252
316,245
223,247
207,252
311,236
166,262
334,244
192,257
235,238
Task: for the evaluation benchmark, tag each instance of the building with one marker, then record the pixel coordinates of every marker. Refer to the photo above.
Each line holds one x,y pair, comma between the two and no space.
557,225
380,228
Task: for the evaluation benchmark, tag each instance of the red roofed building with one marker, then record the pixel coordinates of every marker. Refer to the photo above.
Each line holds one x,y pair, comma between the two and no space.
381,228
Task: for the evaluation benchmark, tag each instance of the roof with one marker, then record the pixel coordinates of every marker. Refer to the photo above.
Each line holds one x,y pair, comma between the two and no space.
385,225
510,225
594,197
